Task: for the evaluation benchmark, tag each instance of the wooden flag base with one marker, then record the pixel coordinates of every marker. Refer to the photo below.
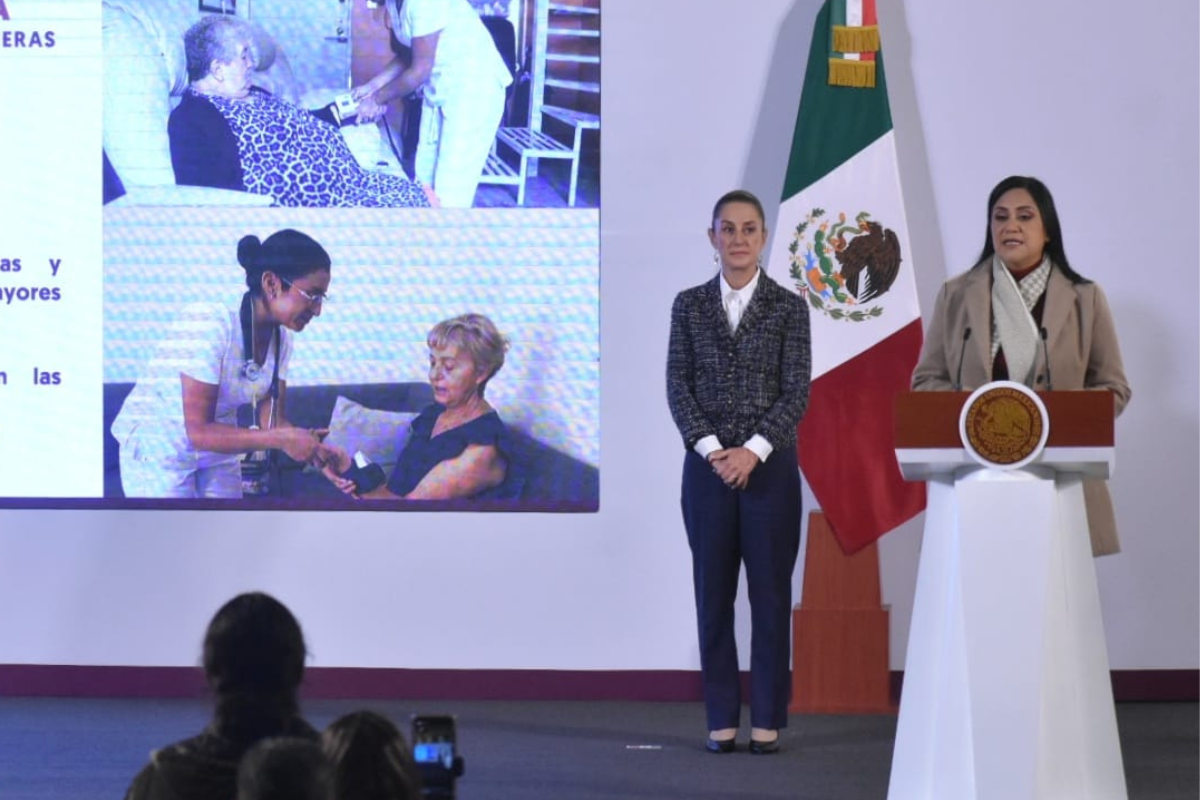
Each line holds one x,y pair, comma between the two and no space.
839,631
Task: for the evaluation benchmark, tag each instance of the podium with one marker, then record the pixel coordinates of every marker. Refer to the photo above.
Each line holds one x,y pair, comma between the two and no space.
1006,692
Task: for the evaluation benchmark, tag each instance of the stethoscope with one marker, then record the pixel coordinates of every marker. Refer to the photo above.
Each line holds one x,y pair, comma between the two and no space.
251,369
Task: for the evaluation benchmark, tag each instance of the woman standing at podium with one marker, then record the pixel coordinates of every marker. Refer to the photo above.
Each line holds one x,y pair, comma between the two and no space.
738,369
1023,314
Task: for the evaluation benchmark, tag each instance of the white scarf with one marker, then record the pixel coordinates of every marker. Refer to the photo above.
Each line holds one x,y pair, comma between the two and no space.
1013,328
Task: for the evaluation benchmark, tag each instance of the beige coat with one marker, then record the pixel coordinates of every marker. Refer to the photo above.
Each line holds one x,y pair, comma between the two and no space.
1081,340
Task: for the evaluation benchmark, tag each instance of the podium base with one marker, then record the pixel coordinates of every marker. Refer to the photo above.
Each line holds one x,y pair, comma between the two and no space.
1006,689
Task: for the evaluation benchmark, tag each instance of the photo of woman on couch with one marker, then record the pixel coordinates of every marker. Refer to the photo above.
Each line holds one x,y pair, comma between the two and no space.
457,447
177,430
226,133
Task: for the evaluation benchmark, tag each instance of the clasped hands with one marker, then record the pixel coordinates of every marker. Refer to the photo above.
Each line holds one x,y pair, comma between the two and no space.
733,465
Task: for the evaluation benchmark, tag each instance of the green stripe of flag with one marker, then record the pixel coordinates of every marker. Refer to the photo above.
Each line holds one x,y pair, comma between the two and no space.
837,13
834,122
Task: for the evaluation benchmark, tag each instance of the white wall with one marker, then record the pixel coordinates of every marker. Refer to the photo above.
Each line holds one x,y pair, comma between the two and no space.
700,97
314,34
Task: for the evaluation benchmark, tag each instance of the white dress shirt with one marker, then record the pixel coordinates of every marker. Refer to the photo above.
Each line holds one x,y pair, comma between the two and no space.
735,302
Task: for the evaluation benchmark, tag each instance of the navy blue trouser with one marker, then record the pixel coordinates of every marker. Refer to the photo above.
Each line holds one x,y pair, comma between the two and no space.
760,526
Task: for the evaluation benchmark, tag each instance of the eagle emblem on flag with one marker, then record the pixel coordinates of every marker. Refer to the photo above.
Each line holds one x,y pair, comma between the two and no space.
841,267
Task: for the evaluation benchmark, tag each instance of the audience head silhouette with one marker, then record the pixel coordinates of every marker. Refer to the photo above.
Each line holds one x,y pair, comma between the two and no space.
254,660
371,759
285,769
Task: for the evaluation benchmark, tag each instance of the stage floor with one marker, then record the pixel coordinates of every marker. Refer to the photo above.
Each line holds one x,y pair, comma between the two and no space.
73,749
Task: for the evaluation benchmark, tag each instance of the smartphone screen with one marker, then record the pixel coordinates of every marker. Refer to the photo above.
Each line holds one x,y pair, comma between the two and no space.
433,742
441,753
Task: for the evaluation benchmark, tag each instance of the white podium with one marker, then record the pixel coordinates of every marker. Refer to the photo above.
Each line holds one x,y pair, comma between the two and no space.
1007,694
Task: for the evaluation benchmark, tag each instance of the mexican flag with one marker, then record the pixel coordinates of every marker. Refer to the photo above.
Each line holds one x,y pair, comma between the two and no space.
841,242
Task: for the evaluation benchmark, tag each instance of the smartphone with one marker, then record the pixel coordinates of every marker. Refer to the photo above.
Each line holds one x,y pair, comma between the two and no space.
436,753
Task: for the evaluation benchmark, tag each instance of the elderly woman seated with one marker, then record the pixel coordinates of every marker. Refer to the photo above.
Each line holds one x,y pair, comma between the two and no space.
457,447
232,135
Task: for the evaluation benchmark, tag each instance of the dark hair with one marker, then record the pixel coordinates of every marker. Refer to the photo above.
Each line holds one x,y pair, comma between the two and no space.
254,661
738,196
285,768
371,759
287,253
215,37
1045,203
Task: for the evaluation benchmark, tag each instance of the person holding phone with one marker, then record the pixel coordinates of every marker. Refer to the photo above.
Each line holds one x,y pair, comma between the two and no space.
738,366
177,430
456,65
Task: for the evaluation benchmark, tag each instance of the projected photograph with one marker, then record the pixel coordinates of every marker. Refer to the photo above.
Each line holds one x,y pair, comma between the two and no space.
470,103
444,158
351,358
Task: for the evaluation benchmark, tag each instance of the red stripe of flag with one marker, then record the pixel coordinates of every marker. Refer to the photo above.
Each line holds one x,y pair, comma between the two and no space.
846,445
869,18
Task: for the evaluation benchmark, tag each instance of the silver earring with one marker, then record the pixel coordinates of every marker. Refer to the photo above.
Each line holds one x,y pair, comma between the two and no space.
716,258
758,263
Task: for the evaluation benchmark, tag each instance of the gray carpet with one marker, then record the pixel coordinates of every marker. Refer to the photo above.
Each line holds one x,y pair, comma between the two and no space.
69,749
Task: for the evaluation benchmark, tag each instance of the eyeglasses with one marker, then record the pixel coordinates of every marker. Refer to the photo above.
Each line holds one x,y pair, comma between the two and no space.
313,299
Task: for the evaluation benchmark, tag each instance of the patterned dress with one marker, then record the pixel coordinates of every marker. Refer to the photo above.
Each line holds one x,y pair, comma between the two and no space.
281,150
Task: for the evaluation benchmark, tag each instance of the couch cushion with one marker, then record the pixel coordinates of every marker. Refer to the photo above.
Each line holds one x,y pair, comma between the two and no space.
137,102
312,406
379,435
164,21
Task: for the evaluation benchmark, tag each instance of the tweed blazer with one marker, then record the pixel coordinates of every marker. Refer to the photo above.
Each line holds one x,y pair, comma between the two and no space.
734,385
1080,339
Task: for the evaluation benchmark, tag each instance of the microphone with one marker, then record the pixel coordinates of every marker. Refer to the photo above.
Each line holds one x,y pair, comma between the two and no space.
961,354
1046,355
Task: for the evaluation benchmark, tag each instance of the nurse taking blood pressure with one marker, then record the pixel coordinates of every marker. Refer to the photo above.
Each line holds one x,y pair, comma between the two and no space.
462,77
177,430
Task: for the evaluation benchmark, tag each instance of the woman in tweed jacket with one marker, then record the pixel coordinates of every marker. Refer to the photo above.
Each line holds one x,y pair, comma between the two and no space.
738,369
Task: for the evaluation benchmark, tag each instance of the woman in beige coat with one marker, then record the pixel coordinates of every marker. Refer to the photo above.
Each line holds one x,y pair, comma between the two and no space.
1020,303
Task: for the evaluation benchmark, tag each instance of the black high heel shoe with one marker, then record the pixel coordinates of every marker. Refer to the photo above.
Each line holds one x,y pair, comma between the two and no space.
720,745
764,748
